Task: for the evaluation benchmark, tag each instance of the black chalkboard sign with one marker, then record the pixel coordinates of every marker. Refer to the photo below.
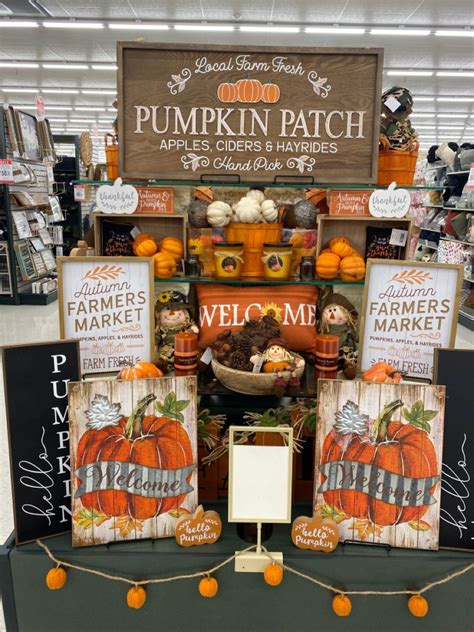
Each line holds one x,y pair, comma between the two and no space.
36,387
454,368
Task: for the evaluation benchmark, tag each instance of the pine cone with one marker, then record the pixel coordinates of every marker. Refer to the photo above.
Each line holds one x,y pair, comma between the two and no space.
260,342
243,344
238,360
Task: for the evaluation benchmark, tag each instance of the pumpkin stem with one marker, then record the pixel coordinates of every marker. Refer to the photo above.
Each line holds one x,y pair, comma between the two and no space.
134,423
380,425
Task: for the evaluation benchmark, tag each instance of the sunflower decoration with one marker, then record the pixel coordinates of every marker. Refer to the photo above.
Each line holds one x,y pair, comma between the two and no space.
163,297
272,310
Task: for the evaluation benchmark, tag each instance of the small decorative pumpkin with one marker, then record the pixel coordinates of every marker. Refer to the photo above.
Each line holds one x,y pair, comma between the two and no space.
227,92
270,93
204,193
342,249
382,373
327,265
164,264
219,213
342,605
139,371
353,268
273,574
256,194
338,240
418,606
249,90
208,587
248,210
197,214
144,245
136,597
269,211
56,578
173,247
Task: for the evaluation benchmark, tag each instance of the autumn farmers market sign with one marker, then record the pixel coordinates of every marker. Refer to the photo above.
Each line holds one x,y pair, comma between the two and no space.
189,112
107,304
409,309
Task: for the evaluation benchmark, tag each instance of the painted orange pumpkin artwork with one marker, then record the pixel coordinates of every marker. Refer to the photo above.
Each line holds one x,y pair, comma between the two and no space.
380,471
133,470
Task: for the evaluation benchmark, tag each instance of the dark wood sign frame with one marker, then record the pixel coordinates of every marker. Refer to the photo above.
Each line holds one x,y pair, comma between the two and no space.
331,172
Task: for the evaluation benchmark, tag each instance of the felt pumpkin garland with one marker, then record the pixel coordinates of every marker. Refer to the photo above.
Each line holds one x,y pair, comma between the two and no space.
208,586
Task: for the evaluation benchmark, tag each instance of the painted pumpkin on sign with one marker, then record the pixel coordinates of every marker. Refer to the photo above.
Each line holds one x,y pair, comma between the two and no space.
227,93
249,90
146,440
270,93
393,447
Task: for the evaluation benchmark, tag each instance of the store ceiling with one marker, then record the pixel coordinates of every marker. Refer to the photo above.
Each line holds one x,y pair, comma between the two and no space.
429,53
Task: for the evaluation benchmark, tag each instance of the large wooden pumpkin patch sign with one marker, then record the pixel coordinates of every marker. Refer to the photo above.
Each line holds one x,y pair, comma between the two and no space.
378,456
188,112
133,458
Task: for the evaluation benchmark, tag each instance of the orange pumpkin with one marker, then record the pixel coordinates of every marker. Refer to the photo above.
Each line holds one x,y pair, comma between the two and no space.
342,249
139,371
382,372
208,587
136,597
273,574
342,605
249,90
396,448
56,578
144,245
173,247
155,441
327,265
338,240
270,93
204,193
164,264
227,92
352,268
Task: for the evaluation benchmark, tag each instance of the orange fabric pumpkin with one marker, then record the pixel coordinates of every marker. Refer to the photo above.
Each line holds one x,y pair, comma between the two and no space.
208,587
342,605
338,240
418,606
249,90
144,245
342,249
56,578
136,597
164,264
270,93
352,268
327,265
227,92
382,372
273,574
140,370
173,247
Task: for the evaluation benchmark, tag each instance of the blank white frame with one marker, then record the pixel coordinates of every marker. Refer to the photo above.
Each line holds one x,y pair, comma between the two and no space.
260,478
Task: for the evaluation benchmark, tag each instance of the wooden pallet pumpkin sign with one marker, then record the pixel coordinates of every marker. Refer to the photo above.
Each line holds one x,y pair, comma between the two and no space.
378,456
133,458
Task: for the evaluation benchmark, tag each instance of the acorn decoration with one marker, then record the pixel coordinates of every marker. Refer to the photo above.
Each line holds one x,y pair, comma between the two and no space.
197,214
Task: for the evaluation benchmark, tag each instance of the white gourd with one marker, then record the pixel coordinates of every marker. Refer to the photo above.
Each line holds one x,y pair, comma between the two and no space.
256,194
248,210
269,211
218,213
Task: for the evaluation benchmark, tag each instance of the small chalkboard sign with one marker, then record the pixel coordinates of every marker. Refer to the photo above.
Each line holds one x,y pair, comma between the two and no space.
36,395
454,368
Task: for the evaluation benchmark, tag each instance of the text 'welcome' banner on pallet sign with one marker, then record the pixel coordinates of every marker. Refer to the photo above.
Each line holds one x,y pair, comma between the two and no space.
255,112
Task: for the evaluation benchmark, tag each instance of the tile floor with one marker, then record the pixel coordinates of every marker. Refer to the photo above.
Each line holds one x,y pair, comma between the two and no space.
25,324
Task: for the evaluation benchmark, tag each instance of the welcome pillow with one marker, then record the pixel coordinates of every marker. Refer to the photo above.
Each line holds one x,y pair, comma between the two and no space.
223,307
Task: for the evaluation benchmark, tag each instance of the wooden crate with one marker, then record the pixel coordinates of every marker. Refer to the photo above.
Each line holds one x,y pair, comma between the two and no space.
355,229
155,224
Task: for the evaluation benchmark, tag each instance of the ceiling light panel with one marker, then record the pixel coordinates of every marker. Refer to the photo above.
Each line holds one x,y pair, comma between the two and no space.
66,66
104,67
454,73
18,64
18,24
454,33
403,31
204,27
269,29
58,91
137,26
410,73
73,25
334,30
113,92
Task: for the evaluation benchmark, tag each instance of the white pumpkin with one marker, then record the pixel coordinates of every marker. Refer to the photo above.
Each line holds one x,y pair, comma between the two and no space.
269,211
218,213
248,210
256,194
117,198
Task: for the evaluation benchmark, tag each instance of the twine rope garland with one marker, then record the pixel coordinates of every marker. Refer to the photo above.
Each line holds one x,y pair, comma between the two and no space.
208,572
